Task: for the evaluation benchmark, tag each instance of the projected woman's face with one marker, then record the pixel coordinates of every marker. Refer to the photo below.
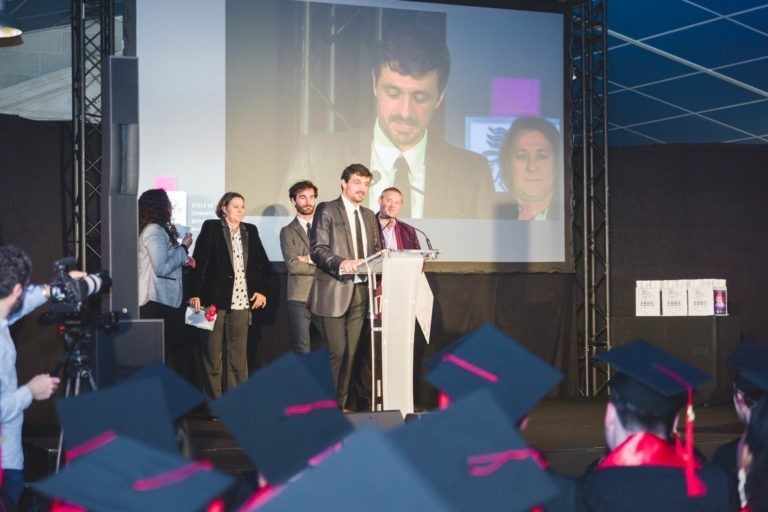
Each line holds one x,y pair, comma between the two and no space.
405,105
533,167
234,211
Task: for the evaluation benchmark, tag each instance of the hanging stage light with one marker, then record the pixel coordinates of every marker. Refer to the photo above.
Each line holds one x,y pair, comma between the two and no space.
9,27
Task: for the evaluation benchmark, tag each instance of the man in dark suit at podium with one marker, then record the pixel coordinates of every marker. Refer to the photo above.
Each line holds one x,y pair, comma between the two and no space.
343,234
393,233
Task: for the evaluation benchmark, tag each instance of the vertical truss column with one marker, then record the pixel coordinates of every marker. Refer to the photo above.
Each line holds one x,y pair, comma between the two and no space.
322,26
92,33
590,188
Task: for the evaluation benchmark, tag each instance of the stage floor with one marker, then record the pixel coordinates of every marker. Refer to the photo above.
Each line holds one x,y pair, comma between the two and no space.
569,432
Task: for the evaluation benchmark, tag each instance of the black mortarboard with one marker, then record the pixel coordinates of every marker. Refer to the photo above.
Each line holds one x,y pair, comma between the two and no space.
435,359
136,409
757,378
285,414
476,458
651,379
318,365
368,473
125,475
749,355
487,357
181,396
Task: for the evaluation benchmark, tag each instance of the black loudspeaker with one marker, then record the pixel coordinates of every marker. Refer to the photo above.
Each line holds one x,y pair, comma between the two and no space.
120,125
122,89
703,341
119,253
119,354
383,420
120,181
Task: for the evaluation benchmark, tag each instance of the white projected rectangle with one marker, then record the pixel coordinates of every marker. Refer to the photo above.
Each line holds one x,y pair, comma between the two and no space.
252,96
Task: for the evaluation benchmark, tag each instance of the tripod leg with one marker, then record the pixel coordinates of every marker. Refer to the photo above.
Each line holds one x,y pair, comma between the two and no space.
91,380
67,389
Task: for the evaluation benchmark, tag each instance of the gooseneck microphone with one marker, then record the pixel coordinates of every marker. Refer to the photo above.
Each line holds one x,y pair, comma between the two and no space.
429,244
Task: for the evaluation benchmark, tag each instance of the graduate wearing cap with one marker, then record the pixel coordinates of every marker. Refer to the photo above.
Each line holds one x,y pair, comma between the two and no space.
134,408
647,467
753,357
473,454
368,474
753,461
286,418
467,458
518,380
124,475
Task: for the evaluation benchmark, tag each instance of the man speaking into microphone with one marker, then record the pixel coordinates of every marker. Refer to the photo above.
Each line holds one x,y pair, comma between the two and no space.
342,235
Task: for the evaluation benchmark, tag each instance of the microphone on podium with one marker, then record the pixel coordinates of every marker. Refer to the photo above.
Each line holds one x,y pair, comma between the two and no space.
429,244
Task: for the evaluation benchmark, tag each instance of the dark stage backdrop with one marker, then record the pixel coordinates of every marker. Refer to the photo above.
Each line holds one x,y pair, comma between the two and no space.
692,211
33,155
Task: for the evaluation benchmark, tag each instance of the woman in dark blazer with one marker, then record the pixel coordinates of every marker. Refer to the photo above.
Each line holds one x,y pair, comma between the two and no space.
231,273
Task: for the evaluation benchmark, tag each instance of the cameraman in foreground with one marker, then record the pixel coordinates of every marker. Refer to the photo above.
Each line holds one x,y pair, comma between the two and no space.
17,298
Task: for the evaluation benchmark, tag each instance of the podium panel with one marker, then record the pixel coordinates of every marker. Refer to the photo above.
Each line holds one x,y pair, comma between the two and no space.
398,321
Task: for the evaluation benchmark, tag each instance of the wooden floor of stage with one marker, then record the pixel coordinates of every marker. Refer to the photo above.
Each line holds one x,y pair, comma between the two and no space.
569,432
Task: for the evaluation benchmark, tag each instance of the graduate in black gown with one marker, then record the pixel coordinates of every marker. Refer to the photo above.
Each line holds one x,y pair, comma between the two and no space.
752,451
648,467
748,356
518,380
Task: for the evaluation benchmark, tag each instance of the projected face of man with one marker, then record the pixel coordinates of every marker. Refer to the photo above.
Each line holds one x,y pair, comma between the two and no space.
533,168
304,202
356,188
405,104
389,204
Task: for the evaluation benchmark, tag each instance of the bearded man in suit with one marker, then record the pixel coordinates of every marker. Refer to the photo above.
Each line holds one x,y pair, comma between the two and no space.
294,243
343,234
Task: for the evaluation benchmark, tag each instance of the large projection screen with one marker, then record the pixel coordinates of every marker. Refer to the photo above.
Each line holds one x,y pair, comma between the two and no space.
263,93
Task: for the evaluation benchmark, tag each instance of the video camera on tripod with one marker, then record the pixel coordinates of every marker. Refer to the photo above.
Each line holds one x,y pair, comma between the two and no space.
78,323
69,295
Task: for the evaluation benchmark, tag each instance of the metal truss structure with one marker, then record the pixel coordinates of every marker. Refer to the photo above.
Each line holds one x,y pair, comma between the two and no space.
92,41
589,118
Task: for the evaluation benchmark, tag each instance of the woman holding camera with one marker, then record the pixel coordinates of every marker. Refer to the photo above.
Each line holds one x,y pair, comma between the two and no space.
161,258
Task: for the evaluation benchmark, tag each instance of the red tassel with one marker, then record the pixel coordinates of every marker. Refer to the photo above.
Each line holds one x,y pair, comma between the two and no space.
63,506
694,486
443,401
260,497
216,505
